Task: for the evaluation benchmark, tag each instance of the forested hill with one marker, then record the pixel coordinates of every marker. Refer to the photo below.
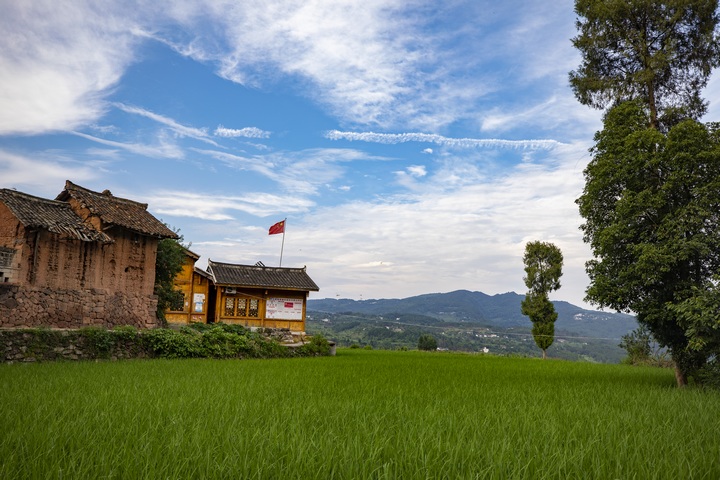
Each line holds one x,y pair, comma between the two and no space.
502,310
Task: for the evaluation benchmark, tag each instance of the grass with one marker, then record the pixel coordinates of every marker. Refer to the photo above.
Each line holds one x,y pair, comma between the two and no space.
360,415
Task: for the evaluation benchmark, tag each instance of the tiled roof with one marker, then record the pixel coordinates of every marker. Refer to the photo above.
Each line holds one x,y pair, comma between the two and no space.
57,217
261,276
202,273
117,211
191,254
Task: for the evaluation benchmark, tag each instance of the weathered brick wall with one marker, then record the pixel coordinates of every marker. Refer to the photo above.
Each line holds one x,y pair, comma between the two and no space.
127,265
27,307
12,240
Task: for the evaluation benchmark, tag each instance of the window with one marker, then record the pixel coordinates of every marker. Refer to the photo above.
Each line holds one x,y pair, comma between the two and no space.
253,308
242,307
178,302
229,307
6,257
6,260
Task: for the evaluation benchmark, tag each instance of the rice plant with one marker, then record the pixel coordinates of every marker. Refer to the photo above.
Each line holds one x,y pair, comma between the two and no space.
362,414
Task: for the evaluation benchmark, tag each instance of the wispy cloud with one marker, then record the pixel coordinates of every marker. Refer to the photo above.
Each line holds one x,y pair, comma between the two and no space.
394,138
374,63
248,132
44,173
472,236
182,130
301,172
58,63
359,60
162,150
222,207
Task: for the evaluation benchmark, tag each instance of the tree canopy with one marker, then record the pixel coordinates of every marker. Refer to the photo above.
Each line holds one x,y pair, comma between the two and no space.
658,52
651,205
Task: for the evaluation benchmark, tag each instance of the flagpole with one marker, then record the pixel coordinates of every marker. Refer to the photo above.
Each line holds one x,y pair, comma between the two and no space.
282,246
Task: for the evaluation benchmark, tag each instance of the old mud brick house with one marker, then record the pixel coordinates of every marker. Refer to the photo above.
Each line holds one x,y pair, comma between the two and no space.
85,258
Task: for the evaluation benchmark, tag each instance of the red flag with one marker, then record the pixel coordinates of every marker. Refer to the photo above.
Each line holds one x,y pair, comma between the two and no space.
279,227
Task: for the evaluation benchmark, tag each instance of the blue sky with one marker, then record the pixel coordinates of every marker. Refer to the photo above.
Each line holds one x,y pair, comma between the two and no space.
413,146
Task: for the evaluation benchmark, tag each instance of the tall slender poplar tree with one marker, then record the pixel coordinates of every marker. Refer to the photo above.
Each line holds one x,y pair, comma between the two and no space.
543,269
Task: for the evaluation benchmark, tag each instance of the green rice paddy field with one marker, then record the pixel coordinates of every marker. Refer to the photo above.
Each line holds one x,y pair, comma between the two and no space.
360,415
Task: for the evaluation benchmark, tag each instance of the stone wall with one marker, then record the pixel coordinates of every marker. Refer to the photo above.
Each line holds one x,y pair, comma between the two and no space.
51,345
27,307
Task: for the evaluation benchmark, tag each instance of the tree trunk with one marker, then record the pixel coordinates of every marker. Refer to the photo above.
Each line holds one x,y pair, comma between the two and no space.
544,355
653,106
680,376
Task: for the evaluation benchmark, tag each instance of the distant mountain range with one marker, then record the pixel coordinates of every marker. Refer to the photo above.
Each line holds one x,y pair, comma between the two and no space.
477,308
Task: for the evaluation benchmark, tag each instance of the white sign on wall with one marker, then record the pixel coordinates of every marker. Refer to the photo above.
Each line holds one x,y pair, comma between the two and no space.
198,302
284,308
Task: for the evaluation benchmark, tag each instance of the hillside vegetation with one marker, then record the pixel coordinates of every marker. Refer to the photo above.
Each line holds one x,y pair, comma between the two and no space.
469,321
362,414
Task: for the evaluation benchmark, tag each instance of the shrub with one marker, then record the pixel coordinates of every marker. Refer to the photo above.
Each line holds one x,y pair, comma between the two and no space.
318,345
709,374
427,342
219,343
162,342
267,348
97,342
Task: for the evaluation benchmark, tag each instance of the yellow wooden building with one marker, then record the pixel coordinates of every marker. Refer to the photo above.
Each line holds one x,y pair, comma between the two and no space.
193,303
260,296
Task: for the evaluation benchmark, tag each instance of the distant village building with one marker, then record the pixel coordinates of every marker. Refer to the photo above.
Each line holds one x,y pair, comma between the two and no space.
248,295
85,258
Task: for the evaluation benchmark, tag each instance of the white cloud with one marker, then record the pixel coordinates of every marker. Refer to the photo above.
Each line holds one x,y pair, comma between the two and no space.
394,138
377,62
417,171
221,207
300,172
368,62
45,174
248,132
163,149
181,130
58,62
471,236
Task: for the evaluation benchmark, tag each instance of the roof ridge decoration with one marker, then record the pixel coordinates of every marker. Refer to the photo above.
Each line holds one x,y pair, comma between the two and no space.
105,194
255,266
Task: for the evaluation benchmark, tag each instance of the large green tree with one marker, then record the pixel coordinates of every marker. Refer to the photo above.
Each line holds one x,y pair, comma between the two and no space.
651,206
543,269
658,51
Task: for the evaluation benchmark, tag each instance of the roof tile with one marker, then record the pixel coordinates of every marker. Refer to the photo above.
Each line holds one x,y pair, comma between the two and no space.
117,211
54,216
261,276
